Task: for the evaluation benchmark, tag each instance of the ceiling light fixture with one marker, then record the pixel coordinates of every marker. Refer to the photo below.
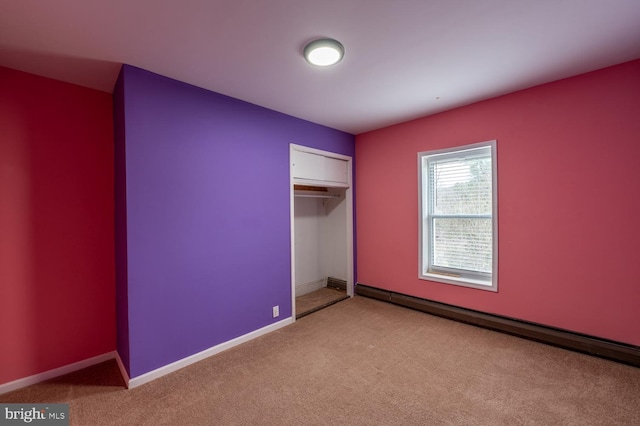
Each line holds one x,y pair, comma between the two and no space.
324,52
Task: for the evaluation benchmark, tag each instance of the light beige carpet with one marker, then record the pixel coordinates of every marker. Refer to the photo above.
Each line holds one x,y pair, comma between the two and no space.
363,362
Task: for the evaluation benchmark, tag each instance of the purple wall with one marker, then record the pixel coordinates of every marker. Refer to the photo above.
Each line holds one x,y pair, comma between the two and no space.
207,216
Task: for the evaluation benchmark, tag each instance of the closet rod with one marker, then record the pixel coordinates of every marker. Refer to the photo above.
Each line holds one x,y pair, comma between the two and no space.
315,196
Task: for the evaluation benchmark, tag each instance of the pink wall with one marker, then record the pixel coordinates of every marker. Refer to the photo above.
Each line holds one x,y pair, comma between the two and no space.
57,285
569,203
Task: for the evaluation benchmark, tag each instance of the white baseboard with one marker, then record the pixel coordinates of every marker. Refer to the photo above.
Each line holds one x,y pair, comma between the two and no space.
144,378
302,289
60,371
174,366
123,370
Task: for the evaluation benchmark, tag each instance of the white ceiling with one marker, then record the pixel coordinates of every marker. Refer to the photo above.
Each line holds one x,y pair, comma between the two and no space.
404,58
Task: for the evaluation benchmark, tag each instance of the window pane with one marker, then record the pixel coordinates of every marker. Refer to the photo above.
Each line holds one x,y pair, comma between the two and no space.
462,244
461,186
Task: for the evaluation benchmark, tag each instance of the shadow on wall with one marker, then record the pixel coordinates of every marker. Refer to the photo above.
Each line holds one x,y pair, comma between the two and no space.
91,73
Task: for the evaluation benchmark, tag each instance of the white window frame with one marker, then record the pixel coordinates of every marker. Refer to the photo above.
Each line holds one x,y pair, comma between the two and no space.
473,279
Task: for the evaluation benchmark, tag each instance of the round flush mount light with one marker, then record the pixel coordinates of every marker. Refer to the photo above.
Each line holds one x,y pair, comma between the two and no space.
324,52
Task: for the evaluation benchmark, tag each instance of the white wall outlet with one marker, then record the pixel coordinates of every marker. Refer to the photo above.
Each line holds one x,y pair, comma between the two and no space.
276,311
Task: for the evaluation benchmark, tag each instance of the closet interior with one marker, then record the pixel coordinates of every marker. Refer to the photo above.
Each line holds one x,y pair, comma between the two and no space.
322,234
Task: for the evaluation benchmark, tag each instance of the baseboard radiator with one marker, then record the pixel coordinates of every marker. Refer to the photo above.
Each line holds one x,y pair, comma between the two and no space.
337,283
615,351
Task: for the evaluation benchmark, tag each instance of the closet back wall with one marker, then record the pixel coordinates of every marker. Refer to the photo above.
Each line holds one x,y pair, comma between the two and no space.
321,246
204,234
308,222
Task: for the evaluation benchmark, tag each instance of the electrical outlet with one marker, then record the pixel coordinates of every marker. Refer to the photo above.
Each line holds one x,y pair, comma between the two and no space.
276,311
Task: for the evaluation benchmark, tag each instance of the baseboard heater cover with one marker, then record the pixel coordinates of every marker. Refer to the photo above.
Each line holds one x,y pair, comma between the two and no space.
337,283
608,349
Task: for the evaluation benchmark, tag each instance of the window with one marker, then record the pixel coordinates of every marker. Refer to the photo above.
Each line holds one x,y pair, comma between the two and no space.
458,216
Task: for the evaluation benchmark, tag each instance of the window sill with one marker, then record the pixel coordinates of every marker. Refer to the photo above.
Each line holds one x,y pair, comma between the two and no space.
461,281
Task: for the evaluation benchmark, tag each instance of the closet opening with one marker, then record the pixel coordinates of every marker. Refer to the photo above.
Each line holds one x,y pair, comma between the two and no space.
321,229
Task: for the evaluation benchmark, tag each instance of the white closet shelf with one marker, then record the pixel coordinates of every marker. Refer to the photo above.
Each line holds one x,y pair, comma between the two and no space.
320,183
316,195
324,193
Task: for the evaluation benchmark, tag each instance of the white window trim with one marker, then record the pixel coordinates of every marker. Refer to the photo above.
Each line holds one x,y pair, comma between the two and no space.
465,281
